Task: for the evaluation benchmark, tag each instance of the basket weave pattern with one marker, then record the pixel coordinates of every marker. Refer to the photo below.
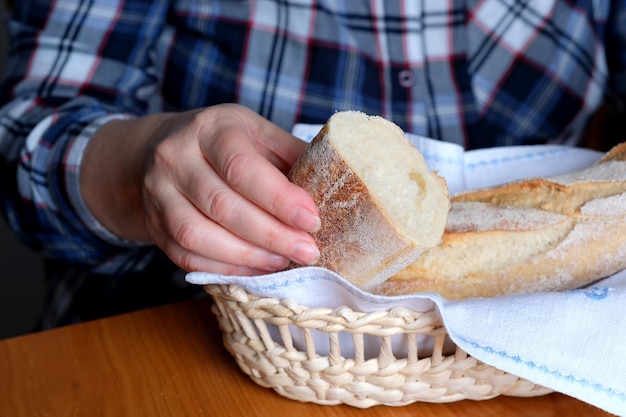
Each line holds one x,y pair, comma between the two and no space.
277,343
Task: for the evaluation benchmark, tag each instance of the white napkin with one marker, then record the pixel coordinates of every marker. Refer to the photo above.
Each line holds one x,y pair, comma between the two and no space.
572,342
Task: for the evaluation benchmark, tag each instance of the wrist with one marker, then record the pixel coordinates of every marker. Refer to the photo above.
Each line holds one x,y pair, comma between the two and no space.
111,174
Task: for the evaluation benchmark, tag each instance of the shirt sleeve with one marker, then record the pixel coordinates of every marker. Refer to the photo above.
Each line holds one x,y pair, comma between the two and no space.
72,67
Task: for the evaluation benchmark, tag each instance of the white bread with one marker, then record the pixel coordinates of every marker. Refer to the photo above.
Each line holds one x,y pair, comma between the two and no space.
379,204
532,235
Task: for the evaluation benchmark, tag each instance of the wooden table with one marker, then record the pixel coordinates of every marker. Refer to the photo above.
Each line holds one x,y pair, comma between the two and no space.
169,361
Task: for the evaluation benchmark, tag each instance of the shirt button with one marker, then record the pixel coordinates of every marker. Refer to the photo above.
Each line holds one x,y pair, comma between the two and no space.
406,78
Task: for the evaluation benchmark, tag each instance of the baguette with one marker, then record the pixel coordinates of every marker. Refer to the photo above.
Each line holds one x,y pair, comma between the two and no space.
544,234
379,204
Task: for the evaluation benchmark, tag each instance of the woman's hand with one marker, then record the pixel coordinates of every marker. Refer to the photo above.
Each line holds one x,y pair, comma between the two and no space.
207,186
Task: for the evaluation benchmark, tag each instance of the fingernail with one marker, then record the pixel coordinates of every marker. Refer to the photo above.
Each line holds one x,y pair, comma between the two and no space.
306,254
307,221
275,262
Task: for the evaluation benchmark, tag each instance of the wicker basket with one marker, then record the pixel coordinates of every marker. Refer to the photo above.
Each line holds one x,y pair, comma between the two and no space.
278,344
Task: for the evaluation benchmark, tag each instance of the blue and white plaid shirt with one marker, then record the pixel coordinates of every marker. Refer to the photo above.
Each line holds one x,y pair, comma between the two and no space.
479,73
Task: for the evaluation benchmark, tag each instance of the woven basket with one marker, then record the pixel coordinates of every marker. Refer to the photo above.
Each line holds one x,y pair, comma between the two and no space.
302,354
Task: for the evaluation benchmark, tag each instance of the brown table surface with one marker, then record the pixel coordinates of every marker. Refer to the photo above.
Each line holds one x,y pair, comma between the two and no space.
169,361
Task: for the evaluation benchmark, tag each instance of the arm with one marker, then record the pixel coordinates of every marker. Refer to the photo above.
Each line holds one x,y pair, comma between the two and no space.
75,140
54,98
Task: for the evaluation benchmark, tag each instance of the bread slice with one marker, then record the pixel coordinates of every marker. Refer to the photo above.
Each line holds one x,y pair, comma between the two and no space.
544,234
380,205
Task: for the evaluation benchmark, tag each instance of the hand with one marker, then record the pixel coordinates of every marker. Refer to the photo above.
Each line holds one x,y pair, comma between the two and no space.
207,186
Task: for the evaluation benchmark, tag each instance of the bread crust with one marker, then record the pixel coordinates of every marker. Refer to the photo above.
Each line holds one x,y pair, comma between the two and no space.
357,239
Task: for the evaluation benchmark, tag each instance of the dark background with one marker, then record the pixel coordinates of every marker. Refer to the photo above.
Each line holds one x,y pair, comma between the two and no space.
21,277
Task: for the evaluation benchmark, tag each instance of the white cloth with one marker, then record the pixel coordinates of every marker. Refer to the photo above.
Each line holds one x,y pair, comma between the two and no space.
573,342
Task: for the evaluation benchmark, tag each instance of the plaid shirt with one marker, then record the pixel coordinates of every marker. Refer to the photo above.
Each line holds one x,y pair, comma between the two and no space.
478,73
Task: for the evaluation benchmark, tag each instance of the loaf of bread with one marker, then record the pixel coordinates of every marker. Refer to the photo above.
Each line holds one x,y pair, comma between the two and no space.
379,204
545,234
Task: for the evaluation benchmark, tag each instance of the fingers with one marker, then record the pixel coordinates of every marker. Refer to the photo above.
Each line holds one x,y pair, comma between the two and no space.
196,243
225,206
252,159
251,175
217,199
